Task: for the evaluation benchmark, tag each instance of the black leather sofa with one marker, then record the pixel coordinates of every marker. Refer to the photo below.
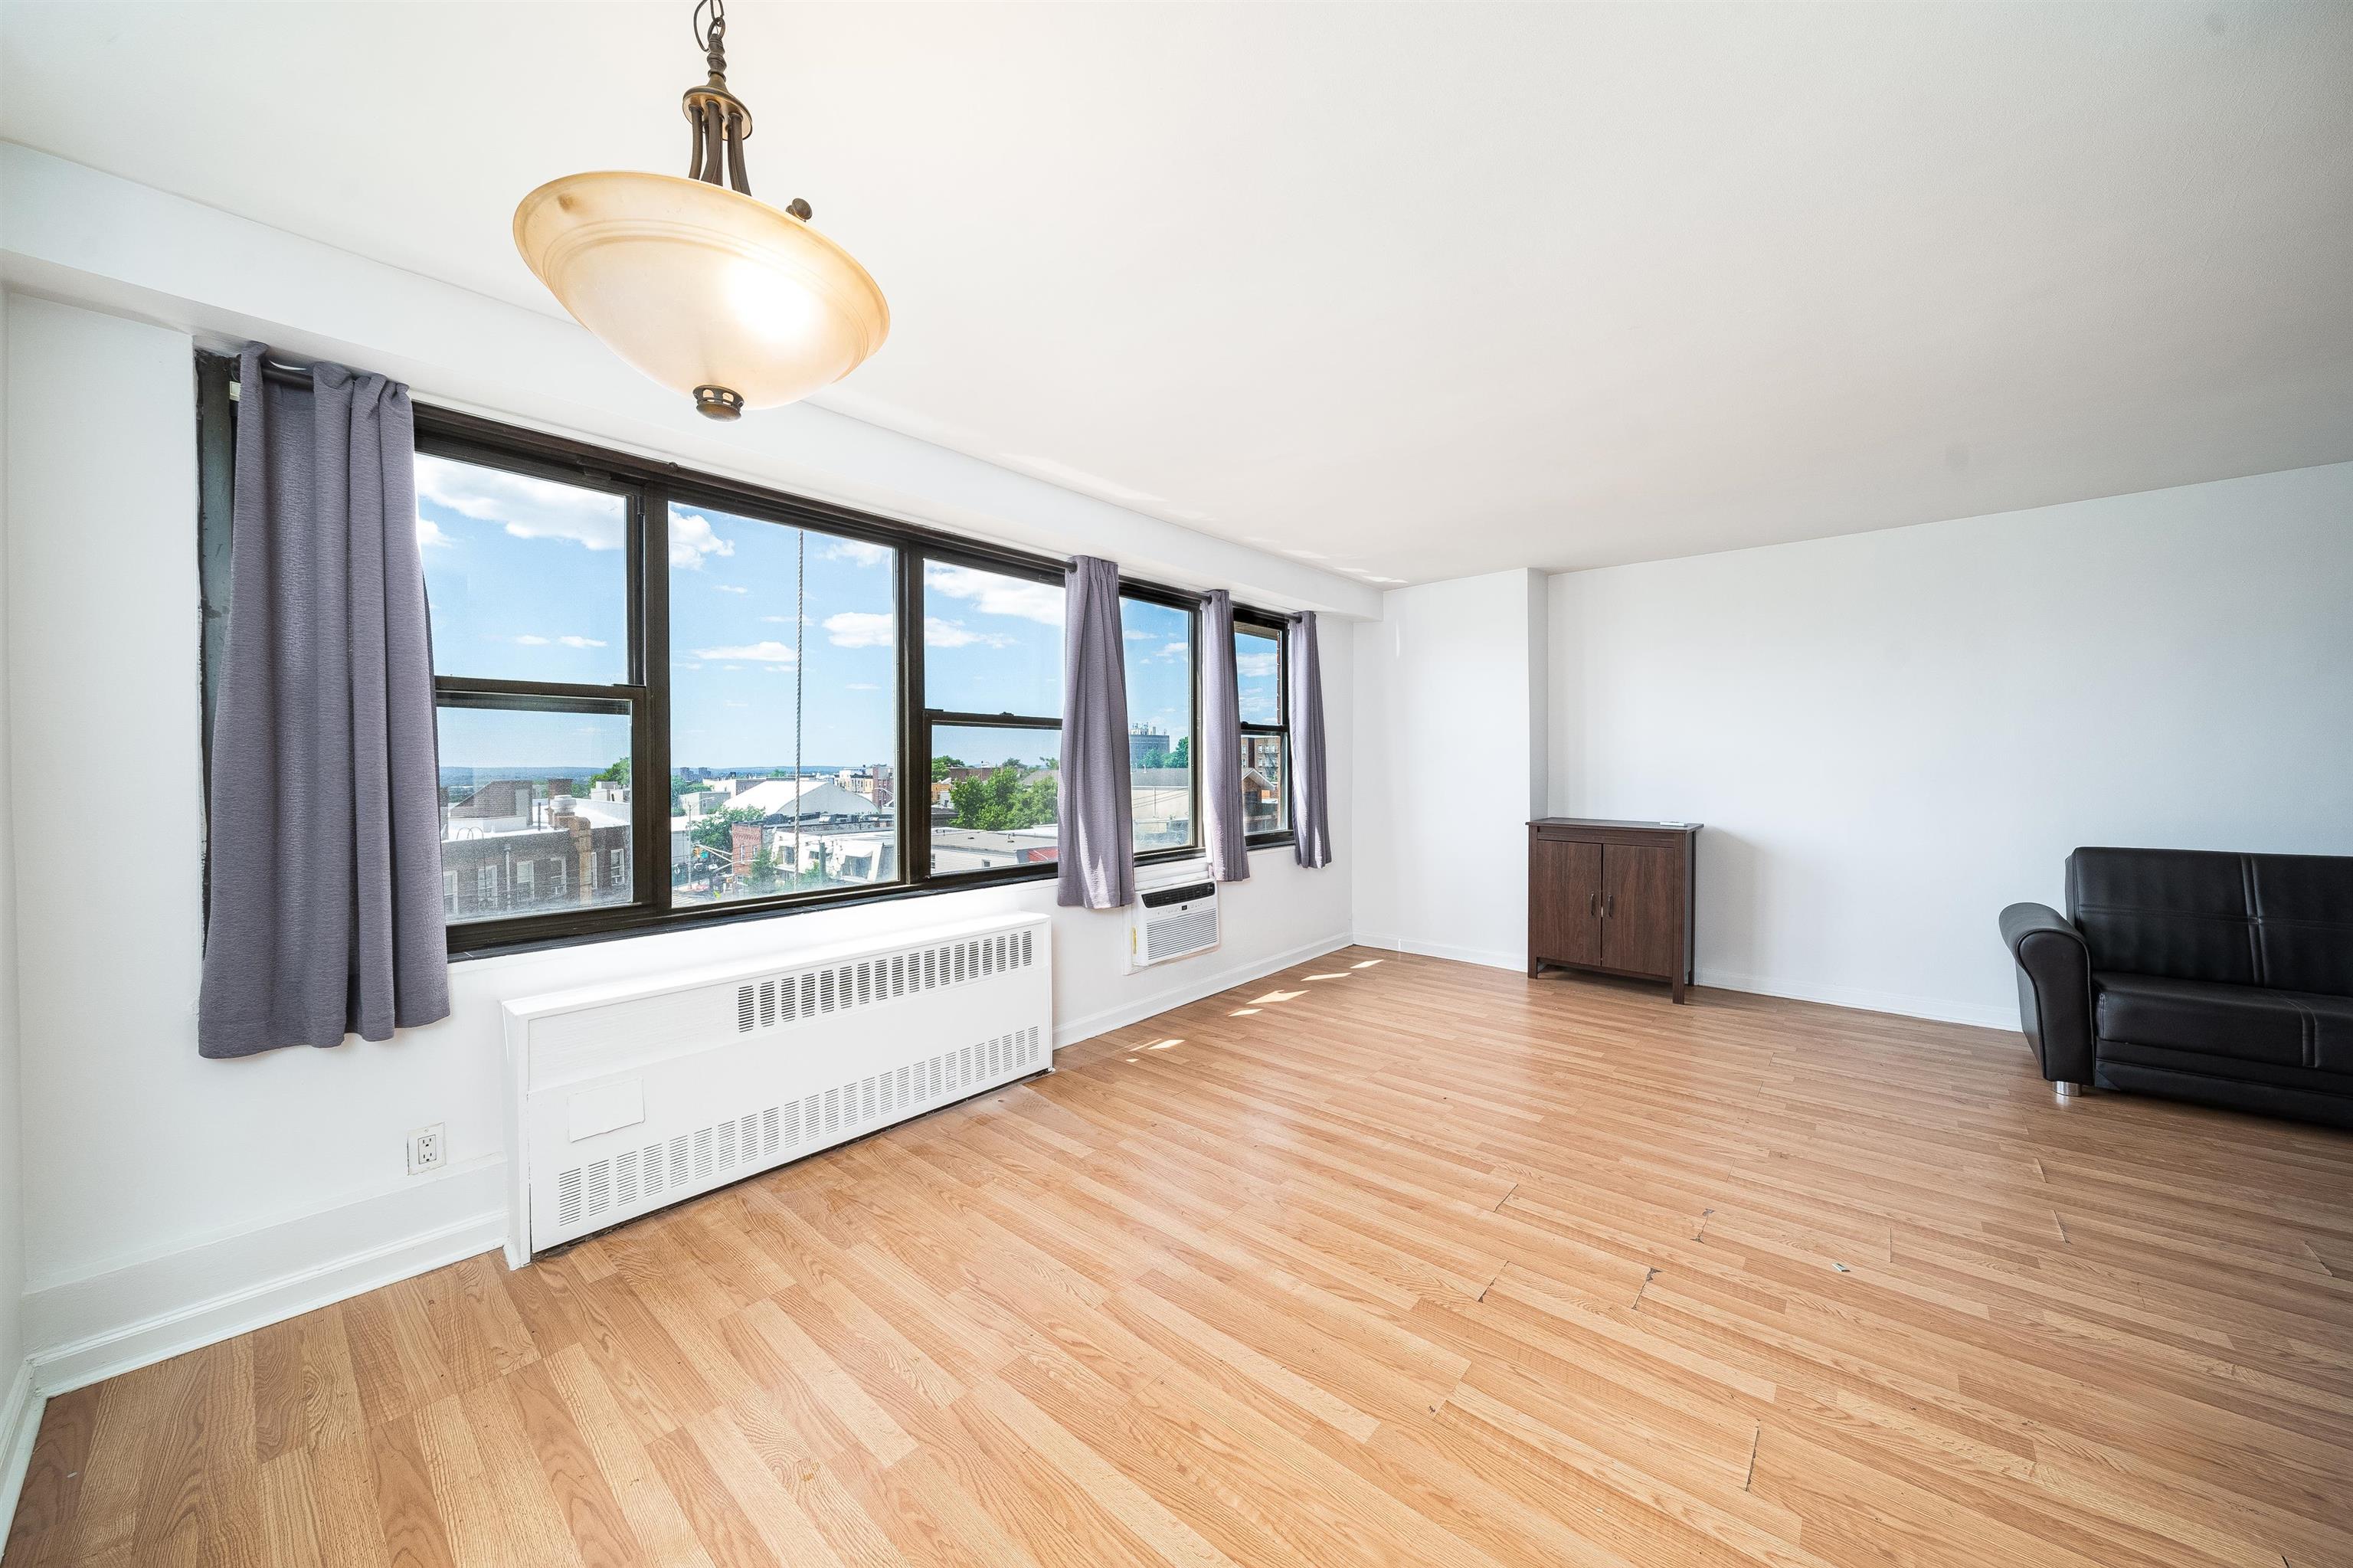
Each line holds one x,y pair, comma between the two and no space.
2222,978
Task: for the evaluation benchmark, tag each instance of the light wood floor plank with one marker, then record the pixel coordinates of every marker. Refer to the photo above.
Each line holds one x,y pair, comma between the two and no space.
1380,1260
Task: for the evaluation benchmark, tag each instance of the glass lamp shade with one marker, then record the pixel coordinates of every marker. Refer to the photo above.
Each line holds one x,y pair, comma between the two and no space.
701,287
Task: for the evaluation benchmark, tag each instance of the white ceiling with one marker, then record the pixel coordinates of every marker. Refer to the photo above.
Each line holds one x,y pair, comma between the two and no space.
1412,291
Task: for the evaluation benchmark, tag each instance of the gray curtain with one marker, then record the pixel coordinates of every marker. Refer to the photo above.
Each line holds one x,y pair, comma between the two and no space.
1311,808
1097,869
1220,749
323,800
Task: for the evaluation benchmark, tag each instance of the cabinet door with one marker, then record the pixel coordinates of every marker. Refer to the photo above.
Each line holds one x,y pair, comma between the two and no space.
1642,929
1565,901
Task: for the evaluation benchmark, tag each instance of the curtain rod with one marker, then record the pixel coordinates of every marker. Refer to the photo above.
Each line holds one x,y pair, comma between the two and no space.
278,370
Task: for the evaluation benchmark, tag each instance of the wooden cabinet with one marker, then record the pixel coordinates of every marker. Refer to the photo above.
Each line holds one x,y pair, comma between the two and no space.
1612,896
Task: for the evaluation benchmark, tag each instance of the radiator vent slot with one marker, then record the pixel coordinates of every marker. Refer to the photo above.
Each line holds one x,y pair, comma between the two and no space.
791,998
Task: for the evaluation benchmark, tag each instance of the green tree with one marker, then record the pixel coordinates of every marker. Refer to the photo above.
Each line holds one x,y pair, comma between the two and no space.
970,799
940,766
998,801
764,872
616,774
717,832
1182,756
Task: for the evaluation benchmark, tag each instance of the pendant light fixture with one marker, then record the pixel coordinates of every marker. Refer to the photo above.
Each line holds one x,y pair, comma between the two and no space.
702,288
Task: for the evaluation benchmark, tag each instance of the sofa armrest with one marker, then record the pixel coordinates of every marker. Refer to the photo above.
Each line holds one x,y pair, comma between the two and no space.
2055,990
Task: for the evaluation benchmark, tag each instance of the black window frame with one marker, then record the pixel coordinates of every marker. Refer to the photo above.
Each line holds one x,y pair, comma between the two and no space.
1262,623
652,485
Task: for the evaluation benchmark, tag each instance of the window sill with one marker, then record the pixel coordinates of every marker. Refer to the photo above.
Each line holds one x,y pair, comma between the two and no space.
623,925
629,924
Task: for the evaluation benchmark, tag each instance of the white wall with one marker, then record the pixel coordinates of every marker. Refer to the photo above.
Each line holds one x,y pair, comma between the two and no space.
19,1411
157,1182
1450,764
1890,736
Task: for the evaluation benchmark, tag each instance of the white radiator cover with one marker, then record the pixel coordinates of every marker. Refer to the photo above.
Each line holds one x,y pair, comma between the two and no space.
625,1098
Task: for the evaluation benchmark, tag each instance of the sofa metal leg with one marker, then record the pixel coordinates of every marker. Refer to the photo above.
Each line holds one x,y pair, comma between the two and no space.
2067,1091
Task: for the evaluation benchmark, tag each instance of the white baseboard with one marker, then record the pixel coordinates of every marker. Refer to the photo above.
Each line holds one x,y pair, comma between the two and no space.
20,1423
1941,1009
1491,958
1208,982
81,1331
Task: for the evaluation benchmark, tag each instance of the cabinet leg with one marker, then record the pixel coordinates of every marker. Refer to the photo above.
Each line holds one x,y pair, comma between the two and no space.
1676,990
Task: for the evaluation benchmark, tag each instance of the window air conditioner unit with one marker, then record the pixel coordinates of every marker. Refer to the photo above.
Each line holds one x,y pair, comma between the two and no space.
1173,922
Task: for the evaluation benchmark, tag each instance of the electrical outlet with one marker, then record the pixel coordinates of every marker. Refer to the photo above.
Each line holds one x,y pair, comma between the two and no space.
425,1149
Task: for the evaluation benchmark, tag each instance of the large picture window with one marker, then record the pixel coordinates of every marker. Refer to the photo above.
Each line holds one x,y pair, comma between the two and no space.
665,698
783,695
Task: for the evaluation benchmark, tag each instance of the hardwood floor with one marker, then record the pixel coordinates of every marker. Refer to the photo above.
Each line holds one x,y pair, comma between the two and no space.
1383,1260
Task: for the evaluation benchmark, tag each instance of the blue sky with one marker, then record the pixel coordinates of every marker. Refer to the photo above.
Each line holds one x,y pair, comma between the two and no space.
1255,671
528,581
758,611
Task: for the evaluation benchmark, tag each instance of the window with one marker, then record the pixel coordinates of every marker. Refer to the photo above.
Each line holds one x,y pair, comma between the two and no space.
1160,702
664,698
992,723
1259,667
782,705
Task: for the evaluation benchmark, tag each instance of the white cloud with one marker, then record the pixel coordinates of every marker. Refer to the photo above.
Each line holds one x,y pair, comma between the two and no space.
582,642
527,508
863,686
1255,664
859,551
730,587
757,653
429,535
691,537
859,628
1176,650
1136,634
993,595
528,641
777,619
938,633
